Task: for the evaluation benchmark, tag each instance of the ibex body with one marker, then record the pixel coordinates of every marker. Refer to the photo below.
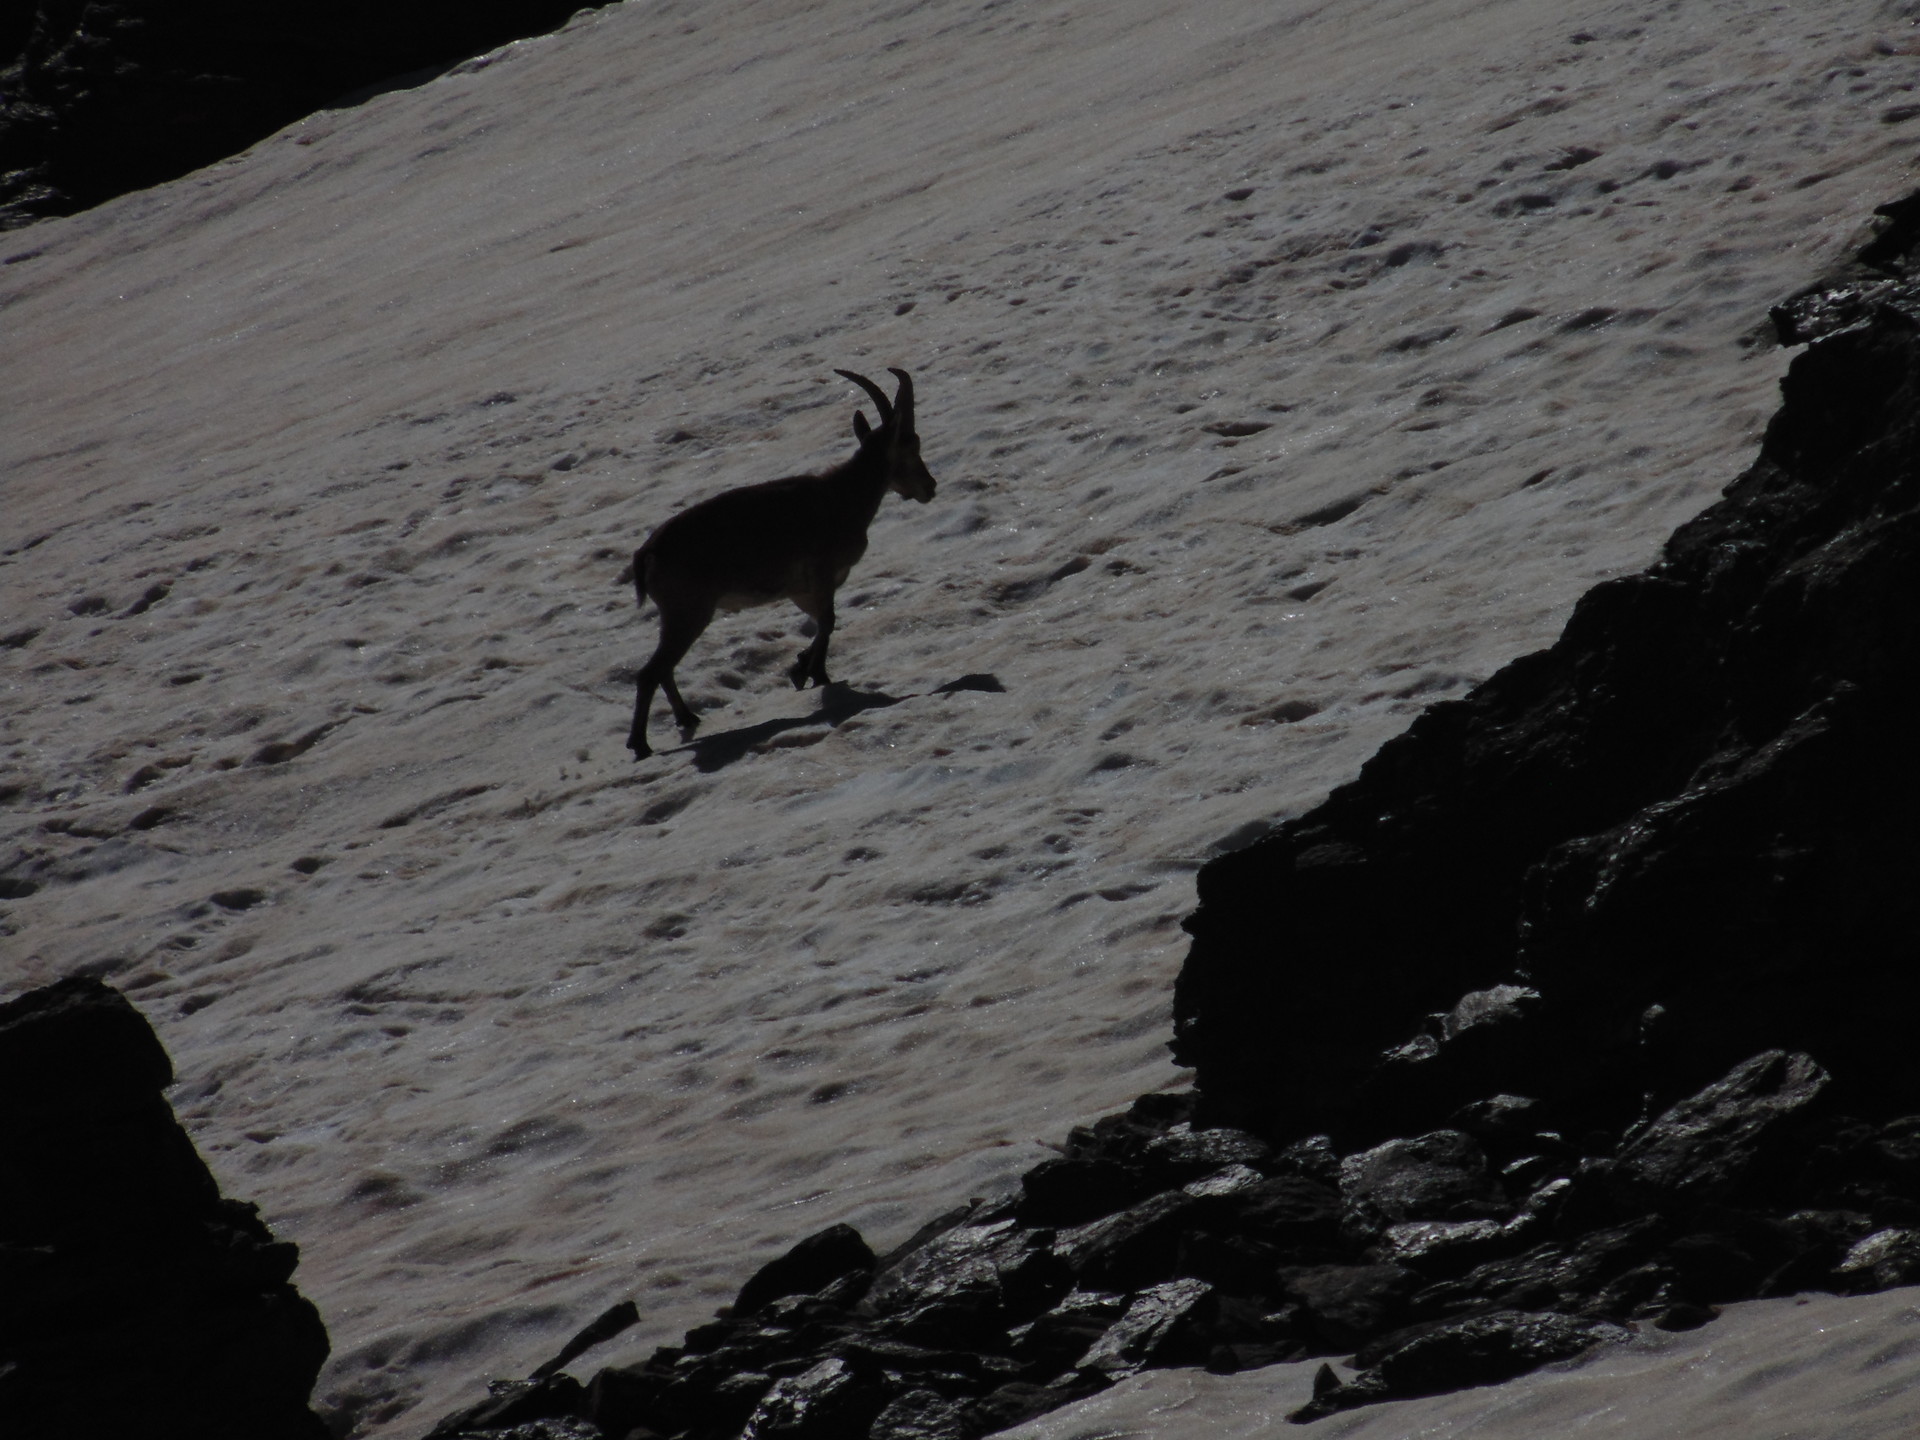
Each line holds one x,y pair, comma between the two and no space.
792,539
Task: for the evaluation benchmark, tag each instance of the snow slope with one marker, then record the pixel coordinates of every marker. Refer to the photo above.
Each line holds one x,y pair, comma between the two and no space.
1286,366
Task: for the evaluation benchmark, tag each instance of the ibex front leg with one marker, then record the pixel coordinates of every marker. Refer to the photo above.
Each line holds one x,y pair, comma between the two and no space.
812,664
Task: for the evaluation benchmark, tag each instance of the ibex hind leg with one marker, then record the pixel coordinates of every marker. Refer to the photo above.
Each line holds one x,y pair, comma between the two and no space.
677,634
644,687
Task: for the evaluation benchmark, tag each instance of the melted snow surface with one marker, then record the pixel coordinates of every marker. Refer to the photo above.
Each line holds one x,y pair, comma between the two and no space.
1286,366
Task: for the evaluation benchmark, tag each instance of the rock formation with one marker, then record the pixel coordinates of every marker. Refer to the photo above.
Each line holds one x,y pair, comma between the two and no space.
1585,1006
136,1300
97,99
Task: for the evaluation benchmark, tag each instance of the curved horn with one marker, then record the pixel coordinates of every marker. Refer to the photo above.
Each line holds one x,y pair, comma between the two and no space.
880,401
903,398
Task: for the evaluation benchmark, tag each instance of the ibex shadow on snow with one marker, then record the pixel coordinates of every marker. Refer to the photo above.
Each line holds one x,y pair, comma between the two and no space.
791,539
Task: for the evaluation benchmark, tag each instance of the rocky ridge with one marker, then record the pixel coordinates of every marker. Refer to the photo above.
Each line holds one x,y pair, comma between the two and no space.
1580,1009
98,99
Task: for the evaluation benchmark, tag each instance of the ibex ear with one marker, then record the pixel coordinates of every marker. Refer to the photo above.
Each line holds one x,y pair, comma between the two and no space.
860,426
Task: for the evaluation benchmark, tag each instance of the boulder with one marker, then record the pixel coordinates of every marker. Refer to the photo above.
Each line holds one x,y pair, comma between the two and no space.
812,1265
829,1401
1153,1328
1438,1176
137,1300
1344,1305
1717,1141
920,1415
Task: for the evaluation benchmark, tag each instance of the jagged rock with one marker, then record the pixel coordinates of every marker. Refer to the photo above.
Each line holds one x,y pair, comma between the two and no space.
609,1323
1723,1263
1830,308
1486,1009
1861,1166
1366,1388
1291,1211
1345,1304
1183,1153
1710,1143
1512,1121
931,1231
1549,1275
620,1397
812,1265
967,1287
1437,1176
1060,1337
1123,1138
1311,1158
514,1403
1897,1149
1238,1240
920,1415
938,1367
1884,1259
135,1300
962,1258
1224,1184
1479,1350
829,1401
1490,1038
1442,1244
1870,280
1069,1191
1484,1349
1136,1248
1151,1330
561,1429
1254,1320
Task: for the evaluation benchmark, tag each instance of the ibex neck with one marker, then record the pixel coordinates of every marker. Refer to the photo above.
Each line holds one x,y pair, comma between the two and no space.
860,483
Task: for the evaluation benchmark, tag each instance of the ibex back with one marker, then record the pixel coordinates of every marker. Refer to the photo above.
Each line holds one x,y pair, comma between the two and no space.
793,539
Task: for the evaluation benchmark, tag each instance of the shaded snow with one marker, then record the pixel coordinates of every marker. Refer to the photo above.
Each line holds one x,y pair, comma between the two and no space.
1814,1366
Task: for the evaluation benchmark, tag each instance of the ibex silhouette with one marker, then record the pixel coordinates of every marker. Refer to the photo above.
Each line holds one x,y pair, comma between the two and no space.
790,539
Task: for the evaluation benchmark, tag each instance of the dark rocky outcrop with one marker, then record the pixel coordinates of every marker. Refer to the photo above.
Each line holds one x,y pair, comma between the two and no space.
1587,1006
1677,838
134,1300
100,97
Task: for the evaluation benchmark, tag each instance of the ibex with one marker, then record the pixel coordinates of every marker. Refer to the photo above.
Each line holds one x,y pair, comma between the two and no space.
794,539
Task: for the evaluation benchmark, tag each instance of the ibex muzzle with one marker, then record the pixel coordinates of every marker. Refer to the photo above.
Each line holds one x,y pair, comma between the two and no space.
792,539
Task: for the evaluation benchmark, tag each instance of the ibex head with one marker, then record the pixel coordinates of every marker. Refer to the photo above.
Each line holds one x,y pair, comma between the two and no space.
895,441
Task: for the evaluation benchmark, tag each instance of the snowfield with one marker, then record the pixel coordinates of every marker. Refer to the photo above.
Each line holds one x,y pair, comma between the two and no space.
1285,366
